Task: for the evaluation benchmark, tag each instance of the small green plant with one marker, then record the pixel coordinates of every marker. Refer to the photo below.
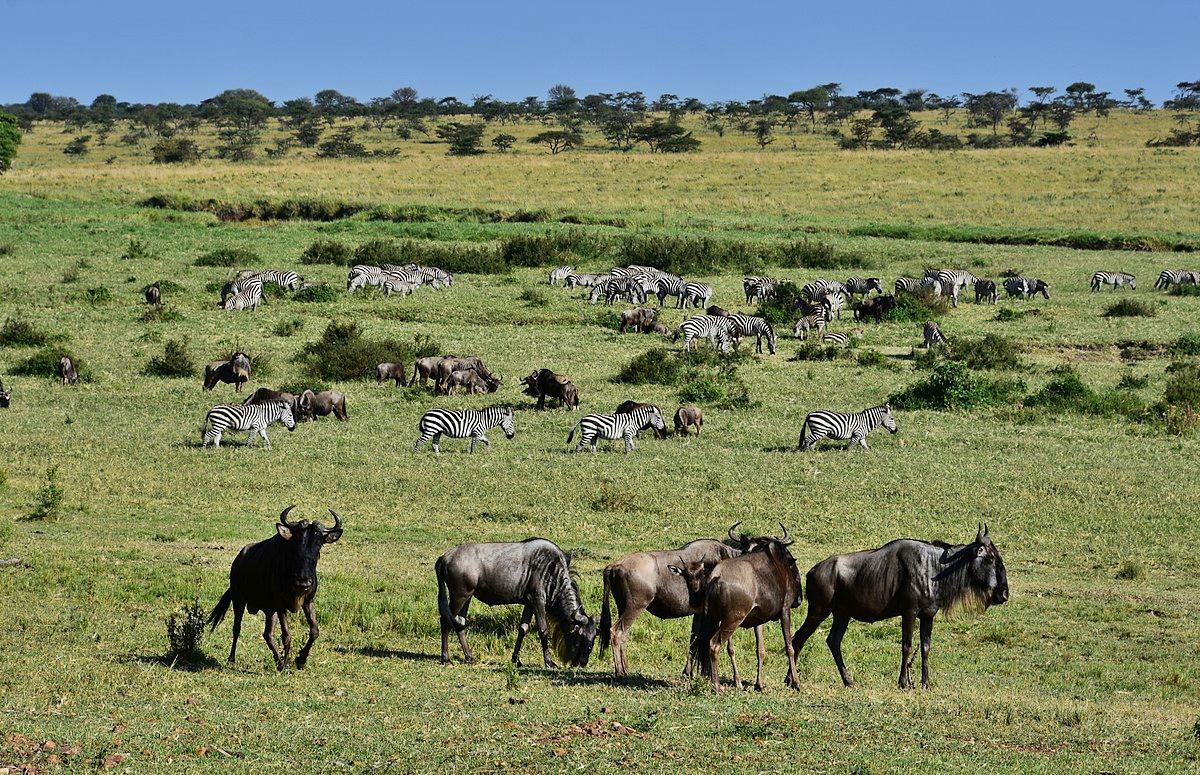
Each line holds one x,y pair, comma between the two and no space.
47,501
1184,290
161,313
1131,570
872,358
22,333
918,306
534,297
512,677
71,274
228,257
288,327
1131,381
44,363
992,352
325,251
1130,308
951,385
343,353
657,366
176,361
137,250
97,295
185,630
1188,345
319,293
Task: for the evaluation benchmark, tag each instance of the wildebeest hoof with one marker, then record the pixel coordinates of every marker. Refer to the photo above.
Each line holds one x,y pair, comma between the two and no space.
551,664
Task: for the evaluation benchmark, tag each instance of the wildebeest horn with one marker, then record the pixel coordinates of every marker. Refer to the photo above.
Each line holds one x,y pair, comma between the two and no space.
787,537
283,516
980,533
337,521
733,527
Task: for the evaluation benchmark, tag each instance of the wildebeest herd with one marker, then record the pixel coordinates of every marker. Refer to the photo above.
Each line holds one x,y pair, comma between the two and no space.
742,582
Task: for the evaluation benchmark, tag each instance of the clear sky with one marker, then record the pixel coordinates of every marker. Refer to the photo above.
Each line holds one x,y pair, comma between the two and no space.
171,50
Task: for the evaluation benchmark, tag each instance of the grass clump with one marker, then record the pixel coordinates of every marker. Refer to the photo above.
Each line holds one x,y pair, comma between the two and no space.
993,352
95,296
534,297
137,250
47,501
325,251
343,353
783,309
1067,392
552,247
1187,345
319,293
165,286
161,313
952,385
814,254
44,363
1131,570
1184,290
227,257
1179,408
288,327
175,361
1130,308
1131,381
657,366
185,630
918,306
814,350
22,333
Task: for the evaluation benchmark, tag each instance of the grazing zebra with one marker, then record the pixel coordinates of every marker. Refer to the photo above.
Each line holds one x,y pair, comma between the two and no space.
254,418
629,288
934,335
430,275
718,330
1026,287
748,325
362,275
1169,277
407,273
593,427
985,289
841,337
560,274
395,284
461,423
586,280
931,284
1115,279
862,285
286,279
669,285
813,320
953,281
907,284
833,304
696,294
819,289
247,296
824,424
759,288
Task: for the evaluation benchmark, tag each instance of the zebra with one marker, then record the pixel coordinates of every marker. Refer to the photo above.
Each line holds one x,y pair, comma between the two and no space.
394,284
461,423
819,289
593,427
718,330
906,284
1115,279
586,280
747,325
1026,287
1169,277
833,304
560,274
953,281
862,286
628,287
842,338
985,289
244,297
669,285
934,335
286,279
408,273
759,288
431,275
254,418
823,424
362,275
931,284
813,320
696,294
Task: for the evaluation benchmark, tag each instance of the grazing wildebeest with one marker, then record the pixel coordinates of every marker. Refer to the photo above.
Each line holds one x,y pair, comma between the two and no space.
154,293
717,312
985,290
427,368
649,581
625,407
313,405
5,396
762,585
276,576
544,383
267,396
393,371
638,319
686,416
67,373
534,573
907,578
235,371
470,380
875,308
448,366
657,328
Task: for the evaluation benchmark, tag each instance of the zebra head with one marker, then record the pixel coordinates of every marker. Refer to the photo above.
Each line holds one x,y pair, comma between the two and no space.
1132,282
506,422
656,419
889,419
286,416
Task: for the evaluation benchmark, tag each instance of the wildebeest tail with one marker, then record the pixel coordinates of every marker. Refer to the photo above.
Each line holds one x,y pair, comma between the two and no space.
702,632
606,614
448,618
218,612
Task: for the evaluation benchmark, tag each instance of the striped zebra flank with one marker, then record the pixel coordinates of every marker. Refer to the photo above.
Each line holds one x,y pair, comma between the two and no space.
842,338
243,297
842,426
811,321
759,288
1115,279
861,286
669,285
1171,277
747,325
833,304
818,289
933,335
362,275
906,284
463,423
953,281
560,274
286,279
718,330
594,427
253,418
696,295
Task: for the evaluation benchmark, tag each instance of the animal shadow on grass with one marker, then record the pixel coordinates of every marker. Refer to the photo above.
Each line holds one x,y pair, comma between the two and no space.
193,665
822,447
573,678
378,652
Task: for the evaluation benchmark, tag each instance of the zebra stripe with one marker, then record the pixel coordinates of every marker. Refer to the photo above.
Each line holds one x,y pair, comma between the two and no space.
833,304
1115,279
841,337
362,275
746,325
593,427
244,297
953,281
863,285
696,294
285,279
254,418
907,284
405,273
461,423
670,285
1169,277
758,288
815,320
1025,287
934,335
395,284
718,330
819,289
560,274
823,424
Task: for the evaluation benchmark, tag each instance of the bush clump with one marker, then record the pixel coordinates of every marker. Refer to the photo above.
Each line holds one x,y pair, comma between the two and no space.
1184,290
994,352
918,306
1187,345
228,257
951,385
551,247
44,363
1067,392
658,366
813,349
468,257
176,361
1130,308
318,293
814,254
185,630
161,313
22,333
783,309
288,327
343,353
175,150
325,251
47,501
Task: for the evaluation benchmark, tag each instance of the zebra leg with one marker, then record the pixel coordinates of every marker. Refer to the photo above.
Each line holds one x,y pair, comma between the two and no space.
628,443
250,438
436,443
266,439
810,441
417,446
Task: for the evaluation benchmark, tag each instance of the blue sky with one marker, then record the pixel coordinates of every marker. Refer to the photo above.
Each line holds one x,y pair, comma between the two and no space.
144,51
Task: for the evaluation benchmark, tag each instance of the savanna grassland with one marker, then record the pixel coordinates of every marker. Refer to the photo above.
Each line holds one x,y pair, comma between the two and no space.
1091,666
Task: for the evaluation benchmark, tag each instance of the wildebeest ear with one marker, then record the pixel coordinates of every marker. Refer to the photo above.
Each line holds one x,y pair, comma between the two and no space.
675,569
284,532
331,536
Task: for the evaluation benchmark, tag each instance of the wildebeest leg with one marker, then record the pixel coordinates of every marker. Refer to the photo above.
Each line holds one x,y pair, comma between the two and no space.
836,633
620,634
785,622
723,633
926,643
906,632
287,638
462,634
269,637
522,629
539,602
313,633
687,665
761,648
239,608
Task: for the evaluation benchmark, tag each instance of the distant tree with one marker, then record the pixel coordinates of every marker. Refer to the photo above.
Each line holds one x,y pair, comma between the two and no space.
665,137
40,103
948,106
308,132
561,99
237,144
10,138
1042,92
914,99
899,128
78,146
465,139
1079,93
666,103
331,103
1135,99
558,139
242,109
341,145
178,150
405,97
764,132
811,101
1061,113
503,142
990,108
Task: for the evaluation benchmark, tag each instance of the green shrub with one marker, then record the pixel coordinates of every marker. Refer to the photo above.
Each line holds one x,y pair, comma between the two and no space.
1187,345
325,251
1067,392
161,313
288,327
137,250
991,352
918,306
1008,314
343,353
686,255
185,630
783,309
550,248
722,390
44,363
951,385
657,366
22,333
812,349
468,257
1184,290
318,293
813,254
175,150
872,358
1183,385
1131,570
47,501
534,297
228,257
1131,381
94,296
176,361
1130,308
604,317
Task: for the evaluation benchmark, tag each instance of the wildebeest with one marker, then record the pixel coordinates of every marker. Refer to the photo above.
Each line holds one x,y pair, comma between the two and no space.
393,371
985,290
717,312
470,380
534,573
235,371
276,576
154,293
657,328
267,396
5,396
625,407
686,416
875,308
67,374
638,319
762,585
652,581
544,383
427,368
907,578
322,404
448,366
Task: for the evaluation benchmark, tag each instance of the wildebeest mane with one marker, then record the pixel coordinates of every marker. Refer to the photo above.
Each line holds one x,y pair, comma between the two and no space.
562,599
955,592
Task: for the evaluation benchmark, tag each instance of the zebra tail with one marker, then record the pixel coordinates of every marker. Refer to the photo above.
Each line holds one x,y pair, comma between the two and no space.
218,612
456,623
571,435
605,615
803,427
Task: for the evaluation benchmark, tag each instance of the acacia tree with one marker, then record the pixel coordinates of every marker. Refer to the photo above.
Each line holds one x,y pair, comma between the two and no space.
764,132
10,138
558,139
811,101
465,139
990,108
503,142
665,137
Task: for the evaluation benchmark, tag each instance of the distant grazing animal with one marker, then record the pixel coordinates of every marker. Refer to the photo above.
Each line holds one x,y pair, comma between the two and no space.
286,279
1026,287
593,427
638,319
463,423
560,274
748,325
759,586
657,328
841,337
669,285
910,579
875,308
586,280
931,284
696,295
718,330
245,297
418,275
985,290
824,424
470,380
933,335
237,285
393,284
1169,277
717,312
813,321
629,288
393,371
544,383
154,293
861,286
533,573
819,289
67,373
254,418
1115,279
406,274
322,404
759,288
655,582
267,396
953,281
362,275
427,368
276,576
448,366
625,407
906,284
235,371
5,396
688,416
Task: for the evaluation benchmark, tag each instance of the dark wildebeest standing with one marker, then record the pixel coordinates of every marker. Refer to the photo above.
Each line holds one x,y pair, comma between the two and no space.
67,374
393,371
427,368
659,582
5,396
154,293
625,407
267,396
235,371
875,308
717,312
638,319
686,416
985,290
313,405
276,576
534,573
544,383
760,586
906,578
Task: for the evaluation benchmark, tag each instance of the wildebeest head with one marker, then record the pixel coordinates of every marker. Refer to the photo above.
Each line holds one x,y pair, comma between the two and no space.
695,574
986,572
575,647
302,542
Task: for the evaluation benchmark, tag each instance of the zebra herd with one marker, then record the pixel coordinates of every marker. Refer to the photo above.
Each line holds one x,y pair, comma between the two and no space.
635,284
397,278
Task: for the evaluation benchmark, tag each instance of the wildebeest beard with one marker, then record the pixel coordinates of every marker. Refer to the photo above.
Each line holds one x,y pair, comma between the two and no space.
562,603
956,592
